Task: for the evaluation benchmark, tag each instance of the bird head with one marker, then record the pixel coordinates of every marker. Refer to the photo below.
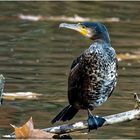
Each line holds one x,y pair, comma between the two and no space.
92,30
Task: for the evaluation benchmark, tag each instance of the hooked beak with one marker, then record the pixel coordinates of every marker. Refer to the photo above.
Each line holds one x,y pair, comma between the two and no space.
77,27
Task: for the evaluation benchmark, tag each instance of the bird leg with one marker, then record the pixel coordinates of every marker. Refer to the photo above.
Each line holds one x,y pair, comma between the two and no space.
137,101
94,121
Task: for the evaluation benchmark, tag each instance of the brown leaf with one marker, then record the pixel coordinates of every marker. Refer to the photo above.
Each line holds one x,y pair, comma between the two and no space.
28,131
37,133
25,130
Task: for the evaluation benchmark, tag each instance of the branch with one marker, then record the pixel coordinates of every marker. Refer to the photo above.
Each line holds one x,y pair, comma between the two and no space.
67,128
111,119
2,80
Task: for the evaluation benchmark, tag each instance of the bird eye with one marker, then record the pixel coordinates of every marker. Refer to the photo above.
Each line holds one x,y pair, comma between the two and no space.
83,26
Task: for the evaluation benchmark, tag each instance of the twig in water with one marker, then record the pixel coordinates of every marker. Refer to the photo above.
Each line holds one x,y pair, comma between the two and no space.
111,119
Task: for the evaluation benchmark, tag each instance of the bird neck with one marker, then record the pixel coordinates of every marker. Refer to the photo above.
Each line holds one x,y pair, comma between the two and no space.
103,36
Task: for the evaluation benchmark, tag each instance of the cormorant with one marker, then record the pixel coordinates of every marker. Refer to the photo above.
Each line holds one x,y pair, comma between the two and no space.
93,75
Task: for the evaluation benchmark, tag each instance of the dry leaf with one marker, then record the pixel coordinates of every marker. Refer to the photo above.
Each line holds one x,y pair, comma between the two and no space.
28,131
40,134
25,130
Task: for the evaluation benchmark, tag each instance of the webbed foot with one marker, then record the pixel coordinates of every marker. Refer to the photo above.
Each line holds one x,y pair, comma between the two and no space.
94,122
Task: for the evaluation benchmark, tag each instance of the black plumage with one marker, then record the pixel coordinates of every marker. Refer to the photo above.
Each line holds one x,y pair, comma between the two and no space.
93,74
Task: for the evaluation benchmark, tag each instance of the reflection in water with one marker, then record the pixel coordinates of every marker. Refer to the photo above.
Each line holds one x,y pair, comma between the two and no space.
36,56
76,18
128,56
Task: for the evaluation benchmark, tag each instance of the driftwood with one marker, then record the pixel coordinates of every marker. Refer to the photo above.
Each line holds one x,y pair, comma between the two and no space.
67,128
2,81
111,119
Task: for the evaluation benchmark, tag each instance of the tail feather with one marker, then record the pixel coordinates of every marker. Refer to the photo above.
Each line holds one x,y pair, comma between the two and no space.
66,114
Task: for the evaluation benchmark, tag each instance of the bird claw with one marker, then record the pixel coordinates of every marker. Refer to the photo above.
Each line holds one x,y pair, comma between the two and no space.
137,101
94,122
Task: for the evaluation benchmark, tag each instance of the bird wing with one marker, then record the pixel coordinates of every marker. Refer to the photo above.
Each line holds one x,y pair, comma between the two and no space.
79,83
74,80
116,60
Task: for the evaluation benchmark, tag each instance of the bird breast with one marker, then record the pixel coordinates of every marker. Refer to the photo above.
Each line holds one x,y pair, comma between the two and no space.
100,68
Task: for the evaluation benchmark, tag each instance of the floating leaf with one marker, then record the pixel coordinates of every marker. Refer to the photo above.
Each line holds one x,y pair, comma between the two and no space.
28,131
25,130
40,134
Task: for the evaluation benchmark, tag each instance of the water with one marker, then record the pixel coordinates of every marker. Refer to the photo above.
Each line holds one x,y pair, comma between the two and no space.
36,56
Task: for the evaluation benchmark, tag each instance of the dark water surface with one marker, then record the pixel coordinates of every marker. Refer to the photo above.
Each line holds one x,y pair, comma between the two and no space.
36,56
